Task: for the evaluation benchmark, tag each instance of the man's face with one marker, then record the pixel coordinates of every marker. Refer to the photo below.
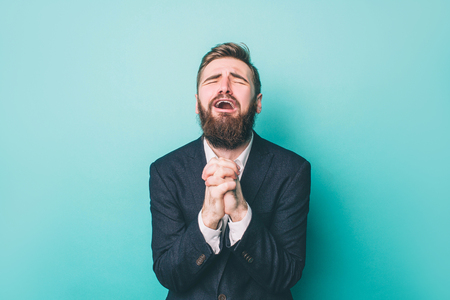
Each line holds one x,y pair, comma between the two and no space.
226,102
227,85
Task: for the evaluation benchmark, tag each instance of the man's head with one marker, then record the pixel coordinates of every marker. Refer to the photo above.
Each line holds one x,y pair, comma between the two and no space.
237,51
228,95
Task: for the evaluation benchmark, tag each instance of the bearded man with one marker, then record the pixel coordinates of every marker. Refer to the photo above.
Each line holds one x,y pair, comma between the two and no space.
229,209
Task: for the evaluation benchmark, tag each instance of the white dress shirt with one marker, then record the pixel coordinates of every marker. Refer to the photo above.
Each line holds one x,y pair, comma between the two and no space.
237,229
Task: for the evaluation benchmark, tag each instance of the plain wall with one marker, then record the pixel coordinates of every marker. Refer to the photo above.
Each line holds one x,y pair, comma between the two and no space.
92,92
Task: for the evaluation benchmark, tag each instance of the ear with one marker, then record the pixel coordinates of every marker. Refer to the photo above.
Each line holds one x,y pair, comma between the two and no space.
258,103
196,104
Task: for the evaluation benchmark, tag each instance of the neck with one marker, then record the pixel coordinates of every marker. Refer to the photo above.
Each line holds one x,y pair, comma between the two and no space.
229,154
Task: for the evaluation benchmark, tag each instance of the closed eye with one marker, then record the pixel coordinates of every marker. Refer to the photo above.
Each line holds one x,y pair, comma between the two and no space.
212,79
209,82
239,79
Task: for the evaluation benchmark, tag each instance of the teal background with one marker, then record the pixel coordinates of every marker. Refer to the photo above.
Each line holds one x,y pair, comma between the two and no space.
91,92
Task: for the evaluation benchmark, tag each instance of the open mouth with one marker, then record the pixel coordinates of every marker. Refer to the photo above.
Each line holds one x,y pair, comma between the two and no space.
225,105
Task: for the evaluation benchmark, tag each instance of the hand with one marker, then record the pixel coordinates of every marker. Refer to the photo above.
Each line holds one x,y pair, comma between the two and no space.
219,176
219,168
223,193
235,205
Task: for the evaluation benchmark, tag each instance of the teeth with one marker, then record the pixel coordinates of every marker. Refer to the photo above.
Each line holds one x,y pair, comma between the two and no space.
224,101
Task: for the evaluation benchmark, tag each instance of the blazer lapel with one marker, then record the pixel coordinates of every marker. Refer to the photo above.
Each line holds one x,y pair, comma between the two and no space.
194,168
255,171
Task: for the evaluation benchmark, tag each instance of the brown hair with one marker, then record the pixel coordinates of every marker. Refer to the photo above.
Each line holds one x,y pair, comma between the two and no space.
238,51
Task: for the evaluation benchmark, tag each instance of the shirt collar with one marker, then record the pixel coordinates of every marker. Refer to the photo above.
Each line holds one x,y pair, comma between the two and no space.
241,160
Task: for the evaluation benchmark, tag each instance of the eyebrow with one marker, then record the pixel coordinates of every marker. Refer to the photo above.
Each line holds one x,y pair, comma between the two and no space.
212,77
238,76
219,75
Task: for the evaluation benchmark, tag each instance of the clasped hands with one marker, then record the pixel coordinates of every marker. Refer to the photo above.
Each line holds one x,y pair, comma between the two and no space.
223,194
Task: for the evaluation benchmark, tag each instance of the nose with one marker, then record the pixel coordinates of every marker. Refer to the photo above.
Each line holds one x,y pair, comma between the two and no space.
225,87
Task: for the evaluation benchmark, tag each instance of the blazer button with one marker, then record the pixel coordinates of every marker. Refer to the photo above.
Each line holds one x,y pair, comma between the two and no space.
222,297
200,260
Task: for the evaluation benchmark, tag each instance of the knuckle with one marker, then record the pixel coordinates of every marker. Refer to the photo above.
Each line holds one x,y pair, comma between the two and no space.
220,172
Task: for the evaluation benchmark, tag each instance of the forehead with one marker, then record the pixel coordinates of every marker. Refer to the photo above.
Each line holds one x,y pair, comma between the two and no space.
227,64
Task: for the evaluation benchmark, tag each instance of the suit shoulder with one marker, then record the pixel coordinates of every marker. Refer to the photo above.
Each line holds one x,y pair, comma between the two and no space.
284,156
179,156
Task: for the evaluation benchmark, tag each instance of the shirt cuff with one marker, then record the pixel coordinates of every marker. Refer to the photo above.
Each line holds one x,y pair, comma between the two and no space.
237,229
212,237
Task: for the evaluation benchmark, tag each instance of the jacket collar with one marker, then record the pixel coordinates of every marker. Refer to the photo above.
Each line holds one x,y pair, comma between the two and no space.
258,165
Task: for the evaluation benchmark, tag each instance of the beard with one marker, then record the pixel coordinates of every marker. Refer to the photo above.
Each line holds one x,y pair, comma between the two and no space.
226,131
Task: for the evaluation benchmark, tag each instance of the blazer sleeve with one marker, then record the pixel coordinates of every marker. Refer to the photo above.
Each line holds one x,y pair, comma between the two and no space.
275,256
180,252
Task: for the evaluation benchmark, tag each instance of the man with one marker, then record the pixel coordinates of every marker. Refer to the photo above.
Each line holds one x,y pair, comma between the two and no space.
229,209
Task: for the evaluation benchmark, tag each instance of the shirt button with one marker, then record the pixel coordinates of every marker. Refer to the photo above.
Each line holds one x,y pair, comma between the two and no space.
222,297
200,260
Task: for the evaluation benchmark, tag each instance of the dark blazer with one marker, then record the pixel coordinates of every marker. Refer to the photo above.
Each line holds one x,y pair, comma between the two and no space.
269,258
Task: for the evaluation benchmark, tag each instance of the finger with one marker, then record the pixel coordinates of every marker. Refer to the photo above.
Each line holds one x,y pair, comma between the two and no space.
218,192
214,164
223,162
223,172
214,181
227,186
209,170
228,163
220,171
